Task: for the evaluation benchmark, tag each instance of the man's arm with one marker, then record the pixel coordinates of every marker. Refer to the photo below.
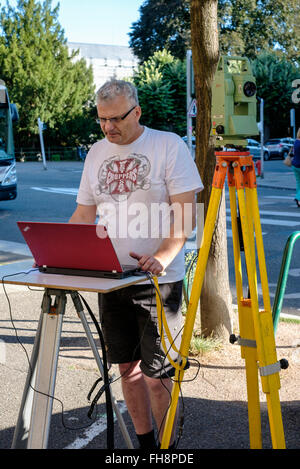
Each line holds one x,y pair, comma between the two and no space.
85,214
185,217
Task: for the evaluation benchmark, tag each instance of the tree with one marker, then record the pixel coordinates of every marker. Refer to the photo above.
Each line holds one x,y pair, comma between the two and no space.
162,24
215,301
250,27
246,27
161,83
274,77
41,77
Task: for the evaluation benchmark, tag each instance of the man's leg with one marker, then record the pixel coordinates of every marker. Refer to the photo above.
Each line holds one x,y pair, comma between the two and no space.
136,396
160,396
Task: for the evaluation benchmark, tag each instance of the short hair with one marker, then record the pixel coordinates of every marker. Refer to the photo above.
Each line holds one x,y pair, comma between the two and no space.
113,88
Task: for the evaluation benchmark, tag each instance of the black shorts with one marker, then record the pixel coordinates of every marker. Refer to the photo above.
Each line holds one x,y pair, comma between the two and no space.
131,330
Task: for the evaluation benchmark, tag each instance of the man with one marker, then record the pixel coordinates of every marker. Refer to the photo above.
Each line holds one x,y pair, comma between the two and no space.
128,177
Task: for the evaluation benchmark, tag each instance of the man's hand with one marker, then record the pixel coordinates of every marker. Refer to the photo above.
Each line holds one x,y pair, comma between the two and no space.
148,263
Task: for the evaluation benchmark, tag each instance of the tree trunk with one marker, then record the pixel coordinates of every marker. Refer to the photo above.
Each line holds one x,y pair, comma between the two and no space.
216,301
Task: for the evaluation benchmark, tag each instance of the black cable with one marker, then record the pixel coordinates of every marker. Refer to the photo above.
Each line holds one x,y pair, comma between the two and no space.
106,387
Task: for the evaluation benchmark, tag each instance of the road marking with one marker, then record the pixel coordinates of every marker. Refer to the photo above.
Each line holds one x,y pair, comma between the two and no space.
57,190
16,248
276,214
278,197
294,272
94,430
229,233
266,221
287,296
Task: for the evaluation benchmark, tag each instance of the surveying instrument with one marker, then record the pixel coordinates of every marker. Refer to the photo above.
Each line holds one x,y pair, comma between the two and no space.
233,119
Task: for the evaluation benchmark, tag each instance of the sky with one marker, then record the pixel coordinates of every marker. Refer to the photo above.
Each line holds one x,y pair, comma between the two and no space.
98,21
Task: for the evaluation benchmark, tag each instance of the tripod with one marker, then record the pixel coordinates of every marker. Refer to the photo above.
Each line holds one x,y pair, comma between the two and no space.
33,425
256,337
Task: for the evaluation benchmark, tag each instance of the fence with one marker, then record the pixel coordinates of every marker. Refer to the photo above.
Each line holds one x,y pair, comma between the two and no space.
51,153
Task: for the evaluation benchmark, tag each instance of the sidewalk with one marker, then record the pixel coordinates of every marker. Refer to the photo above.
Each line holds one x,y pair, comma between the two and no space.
275,180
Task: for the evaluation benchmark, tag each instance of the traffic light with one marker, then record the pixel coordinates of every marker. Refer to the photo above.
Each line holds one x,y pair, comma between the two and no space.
233,103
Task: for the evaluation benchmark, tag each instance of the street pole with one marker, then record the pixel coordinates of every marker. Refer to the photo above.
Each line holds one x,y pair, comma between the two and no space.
262,137
189,122
293,122
40,124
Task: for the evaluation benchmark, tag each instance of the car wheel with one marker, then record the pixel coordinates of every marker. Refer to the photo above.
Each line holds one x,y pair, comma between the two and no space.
266,156
284,155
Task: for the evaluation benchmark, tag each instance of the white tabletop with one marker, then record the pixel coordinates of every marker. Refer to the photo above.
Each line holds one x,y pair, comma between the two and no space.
32,277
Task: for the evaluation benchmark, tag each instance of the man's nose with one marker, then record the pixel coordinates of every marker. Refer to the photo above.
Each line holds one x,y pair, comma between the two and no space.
109,125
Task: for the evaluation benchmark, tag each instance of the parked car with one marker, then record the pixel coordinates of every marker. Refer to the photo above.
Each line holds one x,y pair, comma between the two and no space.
279,146
193,144
254,148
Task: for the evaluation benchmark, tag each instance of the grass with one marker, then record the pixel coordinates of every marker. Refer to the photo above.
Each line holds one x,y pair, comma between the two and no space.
290,320
200,345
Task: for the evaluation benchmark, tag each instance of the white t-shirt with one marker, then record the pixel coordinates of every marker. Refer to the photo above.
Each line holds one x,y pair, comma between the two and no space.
131,185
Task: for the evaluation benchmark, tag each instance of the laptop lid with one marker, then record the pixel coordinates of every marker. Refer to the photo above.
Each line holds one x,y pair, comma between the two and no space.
71,246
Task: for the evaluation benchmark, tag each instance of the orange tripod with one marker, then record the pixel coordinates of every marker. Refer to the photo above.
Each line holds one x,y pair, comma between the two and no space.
256,336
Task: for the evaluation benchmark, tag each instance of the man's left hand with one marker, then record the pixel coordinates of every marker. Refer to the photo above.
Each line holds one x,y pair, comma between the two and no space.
148,263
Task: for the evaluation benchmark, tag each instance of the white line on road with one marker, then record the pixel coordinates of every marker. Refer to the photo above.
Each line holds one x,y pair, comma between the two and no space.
57,190
94,430
278,197
266,221
294,272
276,214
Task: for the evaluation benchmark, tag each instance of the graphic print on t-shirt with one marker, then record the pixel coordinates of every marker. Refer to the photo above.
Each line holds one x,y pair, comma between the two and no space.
120,177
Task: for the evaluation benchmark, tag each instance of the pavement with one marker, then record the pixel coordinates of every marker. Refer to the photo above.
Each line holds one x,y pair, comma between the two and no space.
275,180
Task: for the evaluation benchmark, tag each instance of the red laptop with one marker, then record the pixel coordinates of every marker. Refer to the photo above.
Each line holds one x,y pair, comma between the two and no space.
73,249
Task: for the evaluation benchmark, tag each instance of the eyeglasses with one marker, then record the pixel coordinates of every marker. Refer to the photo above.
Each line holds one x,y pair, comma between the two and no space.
114,120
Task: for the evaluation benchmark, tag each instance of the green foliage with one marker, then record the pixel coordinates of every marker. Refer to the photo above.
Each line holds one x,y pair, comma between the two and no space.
41,77
274,76
246,27
161,83
251,27
162,24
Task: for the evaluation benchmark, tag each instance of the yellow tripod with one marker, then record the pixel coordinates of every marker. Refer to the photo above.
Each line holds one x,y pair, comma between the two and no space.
256,337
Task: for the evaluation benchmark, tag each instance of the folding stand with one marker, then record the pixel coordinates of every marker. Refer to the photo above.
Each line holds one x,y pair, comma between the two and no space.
33,424
32,429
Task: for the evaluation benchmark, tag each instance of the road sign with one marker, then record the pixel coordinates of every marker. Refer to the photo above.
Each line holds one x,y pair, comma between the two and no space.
192,112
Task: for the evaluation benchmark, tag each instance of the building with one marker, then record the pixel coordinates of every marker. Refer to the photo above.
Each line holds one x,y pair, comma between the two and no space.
107,61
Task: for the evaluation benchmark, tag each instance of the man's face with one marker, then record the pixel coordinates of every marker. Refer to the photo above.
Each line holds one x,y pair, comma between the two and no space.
120,130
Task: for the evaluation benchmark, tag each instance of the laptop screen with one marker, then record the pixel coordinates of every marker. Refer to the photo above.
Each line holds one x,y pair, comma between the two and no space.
70,246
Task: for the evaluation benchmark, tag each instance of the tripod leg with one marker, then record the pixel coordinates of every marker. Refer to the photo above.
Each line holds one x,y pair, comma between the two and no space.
46,369
20,438
271,382
247,336
260,249
192,306
263,327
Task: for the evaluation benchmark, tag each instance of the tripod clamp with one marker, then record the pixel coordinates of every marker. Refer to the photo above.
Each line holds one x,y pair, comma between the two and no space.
263,370
242,342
